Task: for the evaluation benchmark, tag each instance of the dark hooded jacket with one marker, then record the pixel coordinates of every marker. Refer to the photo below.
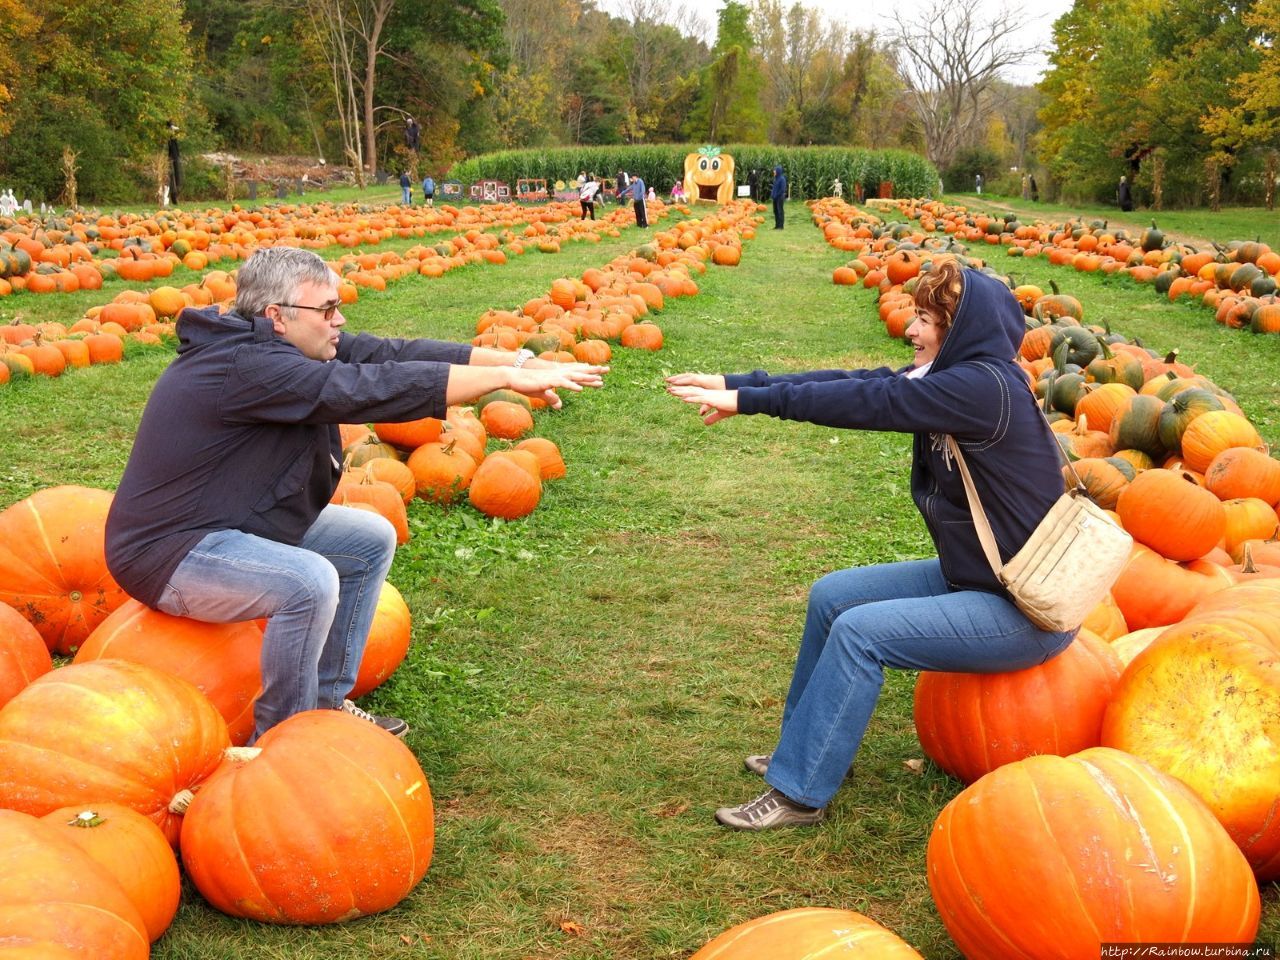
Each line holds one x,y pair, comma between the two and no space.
779,191
240,433
974,391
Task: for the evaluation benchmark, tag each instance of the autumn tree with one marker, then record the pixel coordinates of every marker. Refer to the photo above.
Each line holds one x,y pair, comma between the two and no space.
950,55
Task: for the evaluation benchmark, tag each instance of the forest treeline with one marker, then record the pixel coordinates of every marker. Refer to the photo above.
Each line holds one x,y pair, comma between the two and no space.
1182,96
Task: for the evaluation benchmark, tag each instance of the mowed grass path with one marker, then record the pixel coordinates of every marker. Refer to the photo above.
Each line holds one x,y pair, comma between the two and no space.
584,683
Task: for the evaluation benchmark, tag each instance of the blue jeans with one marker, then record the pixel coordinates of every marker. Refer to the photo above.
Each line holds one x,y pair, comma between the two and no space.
408,196
862,620
318,597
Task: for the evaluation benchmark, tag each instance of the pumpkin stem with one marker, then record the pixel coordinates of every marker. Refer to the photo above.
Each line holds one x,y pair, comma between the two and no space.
181,800
85,819
240,754
1246,563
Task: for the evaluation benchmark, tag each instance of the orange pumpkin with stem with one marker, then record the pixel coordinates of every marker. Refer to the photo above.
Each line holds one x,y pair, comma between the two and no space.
358,845
57,902
807,932
130,848
441,470
1172,515
503,488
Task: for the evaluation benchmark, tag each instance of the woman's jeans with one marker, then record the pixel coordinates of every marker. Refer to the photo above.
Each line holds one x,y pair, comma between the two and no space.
862,620
319,599
406,195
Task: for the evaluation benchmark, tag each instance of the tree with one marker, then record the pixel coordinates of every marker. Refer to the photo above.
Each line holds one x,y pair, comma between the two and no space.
17,26
950,56
803,56
728,107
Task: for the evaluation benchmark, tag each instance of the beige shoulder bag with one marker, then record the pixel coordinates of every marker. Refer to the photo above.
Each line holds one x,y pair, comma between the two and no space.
1068,563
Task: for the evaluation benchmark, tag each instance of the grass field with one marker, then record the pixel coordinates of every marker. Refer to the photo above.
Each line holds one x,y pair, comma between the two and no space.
584,683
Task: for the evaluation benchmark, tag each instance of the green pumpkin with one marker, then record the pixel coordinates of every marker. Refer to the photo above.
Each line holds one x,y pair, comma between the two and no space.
1152,238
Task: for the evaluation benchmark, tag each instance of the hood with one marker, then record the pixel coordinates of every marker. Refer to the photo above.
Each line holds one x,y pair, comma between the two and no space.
777,171
202,326
988,324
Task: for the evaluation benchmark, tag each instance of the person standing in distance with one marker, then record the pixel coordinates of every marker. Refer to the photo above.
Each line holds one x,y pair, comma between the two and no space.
779,196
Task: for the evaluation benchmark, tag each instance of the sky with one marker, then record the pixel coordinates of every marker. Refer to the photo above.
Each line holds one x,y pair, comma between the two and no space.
1039,16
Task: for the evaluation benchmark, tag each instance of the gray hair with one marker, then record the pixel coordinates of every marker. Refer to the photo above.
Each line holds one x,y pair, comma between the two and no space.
272,274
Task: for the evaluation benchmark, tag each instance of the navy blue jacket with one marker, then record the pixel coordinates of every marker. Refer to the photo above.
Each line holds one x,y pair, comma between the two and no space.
974,391
779,185
240,433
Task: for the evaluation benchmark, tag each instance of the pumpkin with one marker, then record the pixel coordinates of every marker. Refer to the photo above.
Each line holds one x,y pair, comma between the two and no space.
971,723
409,434
1135,425
1106,620
505,420
1152,591
441,471
53,568
1244,472
1099,847
503,488
1103,478
108,731
807,932
1101,403
394,472
1208,435
368,448
380,495
642,336
550,463
104,348
23,655
388,641
56,902
1202,703
1129,645
1171,514
330,819
130,848
1248,518
221,660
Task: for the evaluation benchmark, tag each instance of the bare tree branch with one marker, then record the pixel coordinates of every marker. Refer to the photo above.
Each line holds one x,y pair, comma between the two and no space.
950,56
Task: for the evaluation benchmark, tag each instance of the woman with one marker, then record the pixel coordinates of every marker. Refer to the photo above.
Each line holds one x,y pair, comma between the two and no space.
947,613
587,195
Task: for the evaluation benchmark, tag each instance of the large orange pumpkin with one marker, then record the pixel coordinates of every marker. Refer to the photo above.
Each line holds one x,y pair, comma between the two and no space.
807,932
1172,514
1244,472
53,568
1053,856
23,655
109,731
330,821
388,642
1202,703
442,470
131,849
56,903
222,660
1152,591
971,723
502,488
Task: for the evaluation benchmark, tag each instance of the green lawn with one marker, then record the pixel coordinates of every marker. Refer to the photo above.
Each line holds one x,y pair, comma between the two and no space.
584,683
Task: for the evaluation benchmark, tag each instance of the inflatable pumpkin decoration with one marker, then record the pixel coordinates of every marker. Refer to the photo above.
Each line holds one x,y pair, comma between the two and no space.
708,175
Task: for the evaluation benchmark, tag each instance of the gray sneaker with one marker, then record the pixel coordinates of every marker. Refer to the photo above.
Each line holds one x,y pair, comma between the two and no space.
393,725
758,763
771,809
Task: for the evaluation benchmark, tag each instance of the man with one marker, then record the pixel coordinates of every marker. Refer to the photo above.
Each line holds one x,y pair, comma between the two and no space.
428,191
779,196
638,197
223,511
412,135
406,188
1124,195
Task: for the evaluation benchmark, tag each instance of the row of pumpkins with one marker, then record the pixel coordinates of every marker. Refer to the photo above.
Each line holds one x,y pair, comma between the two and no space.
1166,707
30,245
1237,279
89,824
50,348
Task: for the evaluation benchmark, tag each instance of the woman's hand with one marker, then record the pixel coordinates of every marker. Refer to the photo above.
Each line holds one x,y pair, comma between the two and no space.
707,381
545,383
713,405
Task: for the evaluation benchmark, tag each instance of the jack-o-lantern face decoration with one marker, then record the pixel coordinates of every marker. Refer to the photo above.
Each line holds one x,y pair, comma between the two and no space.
708,175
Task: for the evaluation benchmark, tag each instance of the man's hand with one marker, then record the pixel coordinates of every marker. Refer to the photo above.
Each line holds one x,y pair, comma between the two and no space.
545,383
713,405
537,363
707,381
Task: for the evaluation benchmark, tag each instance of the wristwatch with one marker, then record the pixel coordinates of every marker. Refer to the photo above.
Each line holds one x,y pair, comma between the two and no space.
521,356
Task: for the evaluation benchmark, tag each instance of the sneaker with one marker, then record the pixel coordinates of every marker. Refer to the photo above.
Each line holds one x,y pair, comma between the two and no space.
393,725
758,763
771,809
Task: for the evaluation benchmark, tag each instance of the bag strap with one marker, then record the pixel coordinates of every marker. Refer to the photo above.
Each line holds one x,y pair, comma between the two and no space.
980,522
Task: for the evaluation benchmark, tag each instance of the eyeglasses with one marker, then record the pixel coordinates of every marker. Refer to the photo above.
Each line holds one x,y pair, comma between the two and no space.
328,309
